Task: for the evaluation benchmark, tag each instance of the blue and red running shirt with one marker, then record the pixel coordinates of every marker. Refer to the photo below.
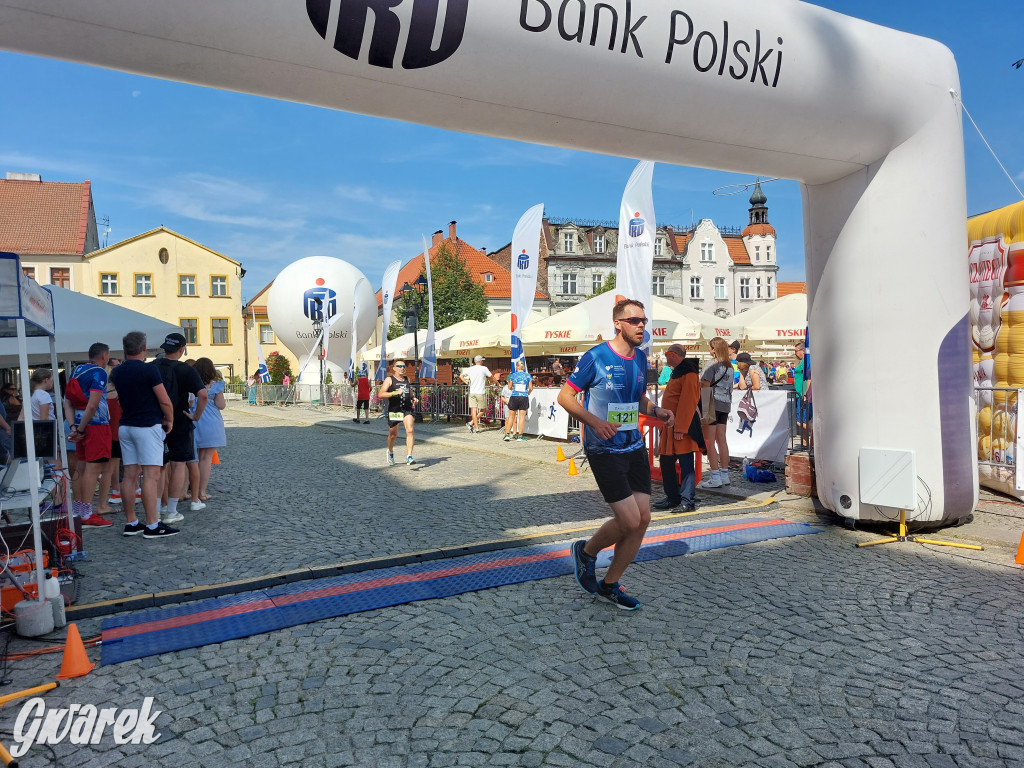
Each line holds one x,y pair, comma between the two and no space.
612,387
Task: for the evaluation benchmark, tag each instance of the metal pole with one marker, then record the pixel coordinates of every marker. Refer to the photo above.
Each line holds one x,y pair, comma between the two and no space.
33,464
417,414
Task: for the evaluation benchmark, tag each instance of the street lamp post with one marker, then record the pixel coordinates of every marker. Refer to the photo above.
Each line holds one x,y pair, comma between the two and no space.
411,322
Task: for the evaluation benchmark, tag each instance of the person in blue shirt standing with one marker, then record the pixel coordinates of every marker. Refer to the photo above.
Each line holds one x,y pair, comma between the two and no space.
519,403
613,380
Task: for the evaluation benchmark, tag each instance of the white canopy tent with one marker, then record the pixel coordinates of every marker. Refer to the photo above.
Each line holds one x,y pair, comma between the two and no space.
783,321
80,321
403,345
491,338
575,330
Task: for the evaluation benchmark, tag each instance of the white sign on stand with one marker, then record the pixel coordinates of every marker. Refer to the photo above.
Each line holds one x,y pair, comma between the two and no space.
546,417
768,436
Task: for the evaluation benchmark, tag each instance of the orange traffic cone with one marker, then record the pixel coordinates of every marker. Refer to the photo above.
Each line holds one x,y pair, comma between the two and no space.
76,661
1020,551
560,456
216,458
572,468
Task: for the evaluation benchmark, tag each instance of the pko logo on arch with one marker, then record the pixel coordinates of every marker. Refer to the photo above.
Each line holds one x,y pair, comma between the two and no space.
352,16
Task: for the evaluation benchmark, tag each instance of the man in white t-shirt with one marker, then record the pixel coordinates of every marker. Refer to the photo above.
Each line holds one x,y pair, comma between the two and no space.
476,376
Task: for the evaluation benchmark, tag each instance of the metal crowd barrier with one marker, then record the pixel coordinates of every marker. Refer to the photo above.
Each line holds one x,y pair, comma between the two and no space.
438,402
997,430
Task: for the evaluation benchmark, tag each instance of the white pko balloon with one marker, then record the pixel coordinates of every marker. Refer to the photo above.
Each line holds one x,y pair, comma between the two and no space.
320,288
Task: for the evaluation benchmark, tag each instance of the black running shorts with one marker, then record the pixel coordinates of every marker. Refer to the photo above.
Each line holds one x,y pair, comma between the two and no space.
620,475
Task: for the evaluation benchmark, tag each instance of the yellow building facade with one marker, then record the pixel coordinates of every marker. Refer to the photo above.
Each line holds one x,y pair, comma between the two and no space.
167,276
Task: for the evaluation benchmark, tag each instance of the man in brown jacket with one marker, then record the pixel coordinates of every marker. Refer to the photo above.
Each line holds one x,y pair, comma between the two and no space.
682,396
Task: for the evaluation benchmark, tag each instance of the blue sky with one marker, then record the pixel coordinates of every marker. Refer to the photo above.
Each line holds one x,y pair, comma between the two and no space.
268,182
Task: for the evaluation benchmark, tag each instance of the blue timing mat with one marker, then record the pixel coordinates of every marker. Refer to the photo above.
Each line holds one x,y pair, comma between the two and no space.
147,633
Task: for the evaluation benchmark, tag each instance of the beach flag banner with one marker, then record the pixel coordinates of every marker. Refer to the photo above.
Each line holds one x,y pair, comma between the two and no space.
387,292
637,231
262,373
428,363
353,334
525,255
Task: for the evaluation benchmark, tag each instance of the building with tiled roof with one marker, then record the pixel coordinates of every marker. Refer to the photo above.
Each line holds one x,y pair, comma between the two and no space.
166,275
495,278
720,270
788,289
50,224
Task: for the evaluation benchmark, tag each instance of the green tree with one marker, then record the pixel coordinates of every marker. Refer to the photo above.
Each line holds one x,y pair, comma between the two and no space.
456,295
607,285
279,367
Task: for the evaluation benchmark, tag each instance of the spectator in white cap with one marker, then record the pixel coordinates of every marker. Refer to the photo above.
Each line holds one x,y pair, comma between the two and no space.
477,376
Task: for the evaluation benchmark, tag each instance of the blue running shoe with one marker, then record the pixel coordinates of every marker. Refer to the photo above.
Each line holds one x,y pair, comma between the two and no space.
616,595
583,567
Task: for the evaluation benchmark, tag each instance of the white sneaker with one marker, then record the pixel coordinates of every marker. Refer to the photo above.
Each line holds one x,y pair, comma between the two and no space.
195,506
711,482
162,510
724,477
177,517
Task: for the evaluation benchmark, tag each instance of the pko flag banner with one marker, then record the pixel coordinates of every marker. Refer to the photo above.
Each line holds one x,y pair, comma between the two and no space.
525,255
387,292
428,363
637,230
354,332
262,373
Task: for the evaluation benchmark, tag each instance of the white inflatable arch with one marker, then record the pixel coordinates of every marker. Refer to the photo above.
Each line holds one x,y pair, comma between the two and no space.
861,115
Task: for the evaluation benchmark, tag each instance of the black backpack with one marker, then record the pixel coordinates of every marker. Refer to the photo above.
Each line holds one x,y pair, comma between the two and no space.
170,377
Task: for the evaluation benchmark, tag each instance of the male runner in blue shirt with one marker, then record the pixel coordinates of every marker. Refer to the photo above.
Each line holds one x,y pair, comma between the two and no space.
613,378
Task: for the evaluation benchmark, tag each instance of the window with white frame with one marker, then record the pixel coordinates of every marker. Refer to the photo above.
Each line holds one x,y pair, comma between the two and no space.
744,287
769,252
598,243
218,285
658,285
720,289
696,288
143,285
266,333
187,285
596,281
757,253
108,284
768,287
707,251
569,242
757,286
659,247
488,277
569,282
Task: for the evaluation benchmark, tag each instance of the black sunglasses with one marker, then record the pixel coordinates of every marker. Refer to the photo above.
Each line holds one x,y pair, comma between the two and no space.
634,320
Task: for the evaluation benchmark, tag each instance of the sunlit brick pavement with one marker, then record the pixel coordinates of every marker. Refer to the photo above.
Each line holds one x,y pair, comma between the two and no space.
799,651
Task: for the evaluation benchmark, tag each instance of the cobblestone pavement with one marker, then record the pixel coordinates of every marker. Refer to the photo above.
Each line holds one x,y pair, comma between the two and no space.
802,651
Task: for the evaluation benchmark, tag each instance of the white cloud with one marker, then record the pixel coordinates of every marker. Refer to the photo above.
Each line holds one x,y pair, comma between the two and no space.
371,198
203,197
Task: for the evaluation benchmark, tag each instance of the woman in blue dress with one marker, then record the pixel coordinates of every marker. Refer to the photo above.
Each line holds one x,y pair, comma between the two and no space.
209,433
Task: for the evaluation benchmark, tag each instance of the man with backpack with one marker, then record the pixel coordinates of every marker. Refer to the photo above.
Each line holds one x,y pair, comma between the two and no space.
180,381
85,407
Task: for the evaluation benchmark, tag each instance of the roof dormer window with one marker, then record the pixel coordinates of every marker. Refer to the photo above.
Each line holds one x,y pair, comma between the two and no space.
488,277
